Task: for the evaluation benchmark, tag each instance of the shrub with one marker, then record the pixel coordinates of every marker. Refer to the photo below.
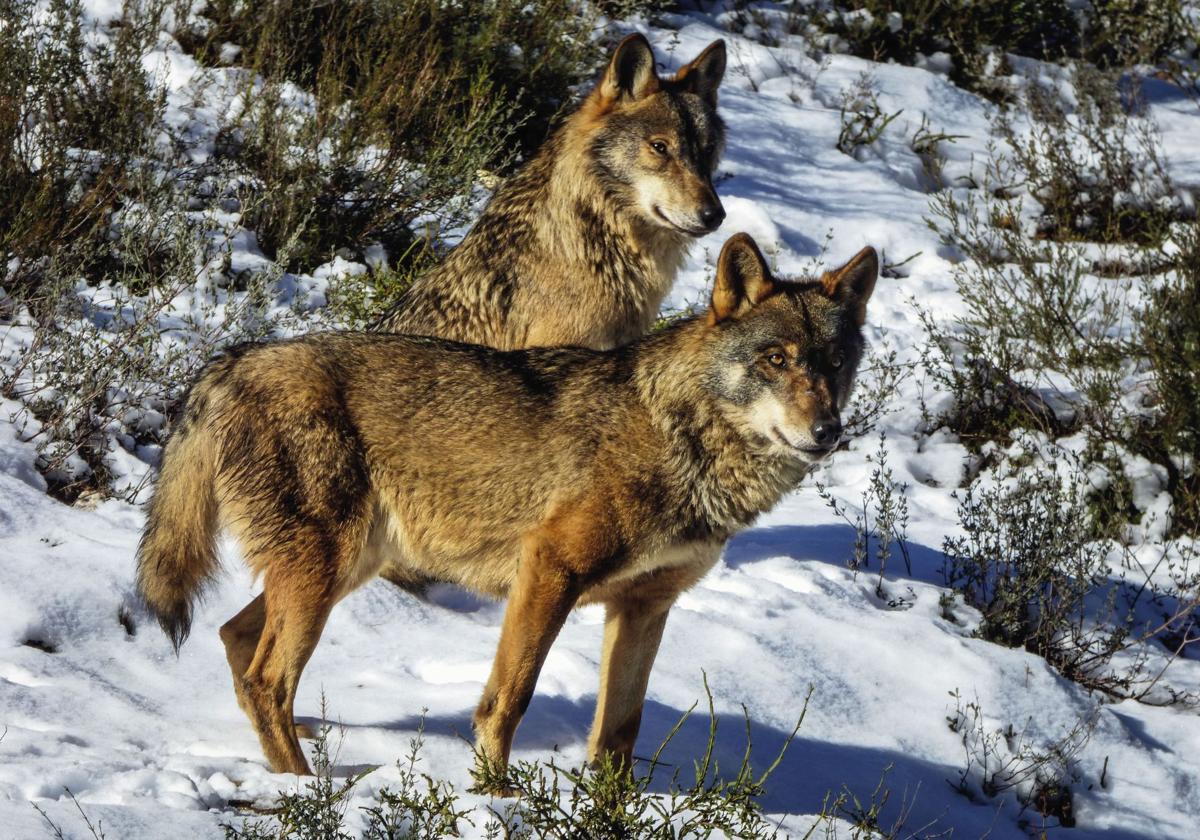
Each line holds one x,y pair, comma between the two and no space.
418,808
881,521
976,35
77,119
1095,168
407,101
1000,760
1170,341
604,803
356,128
1040,342
863,119
529,54
1033,560
1052,333
99,369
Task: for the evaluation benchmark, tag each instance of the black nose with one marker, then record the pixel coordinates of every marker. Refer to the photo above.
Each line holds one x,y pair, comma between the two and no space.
827,432
711,215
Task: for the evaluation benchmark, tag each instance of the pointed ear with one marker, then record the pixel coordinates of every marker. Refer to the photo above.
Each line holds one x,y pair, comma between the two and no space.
743,280
702,75
854,282
630,72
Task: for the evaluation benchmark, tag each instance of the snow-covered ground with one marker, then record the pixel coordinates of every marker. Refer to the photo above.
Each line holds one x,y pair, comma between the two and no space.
155,746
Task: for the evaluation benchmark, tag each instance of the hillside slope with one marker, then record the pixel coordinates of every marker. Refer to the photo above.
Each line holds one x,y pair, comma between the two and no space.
93,700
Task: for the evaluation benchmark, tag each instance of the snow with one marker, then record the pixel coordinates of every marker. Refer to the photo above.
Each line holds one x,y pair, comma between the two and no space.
147,741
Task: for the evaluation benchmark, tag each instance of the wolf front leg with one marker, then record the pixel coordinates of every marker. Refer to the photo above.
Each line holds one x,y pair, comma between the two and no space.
539,601
633,628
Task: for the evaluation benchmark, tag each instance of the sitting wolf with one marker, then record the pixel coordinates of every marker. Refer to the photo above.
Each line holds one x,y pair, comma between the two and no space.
553,477
581,245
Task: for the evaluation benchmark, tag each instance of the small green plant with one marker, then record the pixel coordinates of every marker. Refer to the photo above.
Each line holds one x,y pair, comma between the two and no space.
880,374
865,815
881,521
610,803
863,118
927,145
95,829
358,300
606,802
1035,562
1002,759
418,807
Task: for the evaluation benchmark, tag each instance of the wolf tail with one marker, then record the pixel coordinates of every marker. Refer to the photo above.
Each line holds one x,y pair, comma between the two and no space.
177,555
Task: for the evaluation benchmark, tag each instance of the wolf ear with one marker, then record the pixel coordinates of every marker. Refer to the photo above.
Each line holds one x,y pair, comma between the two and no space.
854,282
743,279
630,72
702,75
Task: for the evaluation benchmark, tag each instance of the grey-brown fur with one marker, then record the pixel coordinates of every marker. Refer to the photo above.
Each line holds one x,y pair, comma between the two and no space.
554,477
581,245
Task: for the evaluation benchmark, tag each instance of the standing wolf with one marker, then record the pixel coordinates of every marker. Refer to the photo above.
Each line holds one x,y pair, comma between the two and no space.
554,477
581,245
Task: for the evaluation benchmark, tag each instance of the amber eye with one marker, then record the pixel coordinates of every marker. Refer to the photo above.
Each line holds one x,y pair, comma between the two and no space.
777,360
658,146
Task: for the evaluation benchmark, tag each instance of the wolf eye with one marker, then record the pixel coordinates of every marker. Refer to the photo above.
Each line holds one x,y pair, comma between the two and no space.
777,360
659,146
836,361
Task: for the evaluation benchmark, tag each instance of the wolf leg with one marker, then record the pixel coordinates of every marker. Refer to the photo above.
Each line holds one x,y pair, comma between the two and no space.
240,635
633,628
632,633
295,608
538,604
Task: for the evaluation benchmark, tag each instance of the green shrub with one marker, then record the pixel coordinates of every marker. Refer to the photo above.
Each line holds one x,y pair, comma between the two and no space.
410,100
1034,561
417,808
1170,342
358,125
77,121
1051,331
1096,167
977,33
863,119
424,55
602,803
98,370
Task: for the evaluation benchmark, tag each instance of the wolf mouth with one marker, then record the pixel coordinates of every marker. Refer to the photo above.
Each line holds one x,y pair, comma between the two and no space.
811,451
694,231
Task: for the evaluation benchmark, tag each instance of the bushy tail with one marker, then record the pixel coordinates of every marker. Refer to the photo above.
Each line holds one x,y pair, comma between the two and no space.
178,552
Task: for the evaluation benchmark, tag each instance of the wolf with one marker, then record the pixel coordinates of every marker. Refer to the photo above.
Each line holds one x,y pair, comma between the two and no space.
552,477
581,245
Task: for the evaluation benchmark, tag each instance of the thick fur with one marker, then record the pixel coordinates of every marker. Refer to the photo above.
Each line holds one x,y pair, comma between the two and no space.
552,477
581,245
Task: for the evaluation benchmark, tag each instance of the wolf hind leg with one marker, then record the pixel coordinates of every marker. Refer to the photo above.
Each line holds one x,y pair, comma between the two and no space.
295,608
240,636
308,567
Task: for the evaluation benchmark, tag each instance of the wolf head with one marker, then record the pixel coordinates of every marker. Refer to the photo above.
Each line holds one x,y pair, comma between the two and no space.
786,353
654,142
